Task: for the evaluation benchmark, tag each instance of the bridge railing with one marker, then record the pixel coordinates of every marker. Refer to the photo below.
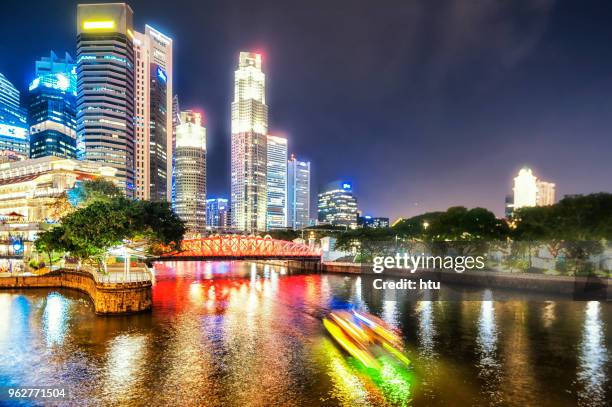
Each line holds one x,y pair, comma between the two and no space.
243,246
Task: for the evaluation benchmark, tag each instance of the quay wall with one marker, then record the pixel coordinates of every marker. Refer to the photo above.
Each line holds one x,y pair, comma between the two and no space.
596,287
107,298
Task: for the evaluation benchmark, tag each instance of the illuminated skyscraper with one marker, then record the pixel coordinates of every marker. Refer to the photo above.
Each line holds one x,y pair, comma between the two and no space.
105,88
52,108
337,206
298,193
530,191
525,189
13,124
249,155
176,119
277,182
189,200
546,193
154,126
217,215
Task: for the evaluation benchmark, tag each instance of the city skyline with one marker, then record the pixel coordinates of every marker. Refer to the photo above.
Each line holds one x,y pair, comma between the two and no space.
508,131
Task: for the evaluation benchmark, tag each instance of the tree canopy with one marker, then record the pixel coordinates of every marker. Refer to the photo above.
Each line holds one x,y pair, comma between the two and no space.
90,231
98,189
575,226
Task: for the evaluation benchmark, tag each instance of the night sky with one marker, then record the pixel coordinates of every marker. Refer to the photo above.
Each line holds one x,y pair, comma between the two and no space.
421,104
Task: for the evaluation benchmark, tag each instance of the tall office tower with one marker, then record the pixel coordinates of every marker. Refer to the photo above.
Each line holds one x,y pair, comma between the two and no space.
105,88
525,189
189,200
337,206
298,193
530,191
508,206
13,123
546,193
217,213
154,126
176,119
52,108
249,156
54,65
277,182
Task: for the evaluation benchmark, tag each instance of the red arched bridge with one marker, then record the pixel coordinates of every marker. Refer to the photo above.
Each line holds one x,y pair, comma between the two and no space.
236,247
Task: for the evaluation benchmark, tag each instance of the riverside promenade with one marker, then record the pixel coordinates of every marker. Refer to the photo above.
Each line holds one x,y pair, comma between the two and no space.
591,286
111,294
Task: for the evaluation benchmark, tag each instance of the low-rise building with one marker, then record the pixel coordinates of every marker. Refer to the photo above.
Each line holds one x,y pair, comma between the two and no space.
30,188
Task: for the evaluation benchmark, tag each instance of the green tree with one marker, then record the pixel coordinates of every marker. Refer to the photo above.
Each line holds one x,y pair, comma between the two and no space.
414,228
51,241
539,225
466,231
157,223
90,231
368,242
576,226
98,189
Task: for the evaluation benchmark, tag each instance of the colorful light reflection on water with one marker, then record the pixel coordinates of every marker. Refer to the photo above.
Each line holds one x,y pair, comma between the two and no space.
243,334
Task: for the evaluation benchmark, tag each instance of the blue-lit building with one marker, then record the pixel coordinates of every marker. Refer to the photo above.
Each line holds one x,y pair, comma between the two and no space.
368,221
337,206
52,108
13,123
217,213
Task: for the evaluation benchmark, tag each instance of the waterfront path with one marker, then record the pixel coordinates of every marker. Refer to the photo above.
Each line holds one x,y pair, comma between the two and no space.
111,293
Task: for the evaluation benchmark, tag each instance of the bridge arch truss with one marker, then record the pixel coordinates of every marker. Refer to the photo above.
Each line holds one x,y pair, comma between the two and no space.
243,247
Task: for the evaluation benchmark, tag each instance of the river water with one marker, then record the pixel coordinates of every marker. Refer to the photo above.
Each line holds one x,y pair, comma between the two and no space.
245,334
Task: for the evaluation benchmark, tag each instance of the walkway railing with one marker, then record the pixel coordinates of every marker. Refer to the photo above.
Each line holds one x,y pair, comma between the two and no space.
116,275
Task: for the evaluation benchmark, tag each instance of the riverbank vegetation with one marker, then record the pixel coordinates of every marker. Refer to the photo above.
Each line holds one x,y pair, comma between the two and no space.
101,219
571,232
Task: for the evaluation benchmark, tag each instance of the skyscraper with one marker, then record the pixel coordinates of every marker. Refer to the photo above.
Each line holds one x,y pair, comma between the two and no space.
154,126
248,145
546,193
530,191
525,189
298,193
189,200
277,182
105,89
13,124
337,205
217,215
52,108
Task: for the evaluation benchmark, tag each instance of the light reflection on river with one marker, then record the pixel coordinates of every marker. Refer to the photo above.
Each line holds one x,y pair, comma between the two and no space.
245,334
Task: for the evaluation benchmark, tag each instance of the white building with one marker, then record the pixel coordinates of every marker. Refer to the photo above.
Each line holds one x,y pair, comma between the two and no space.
189,200
546,193
298,193
29,188
248,145
153,114
530,191
277,182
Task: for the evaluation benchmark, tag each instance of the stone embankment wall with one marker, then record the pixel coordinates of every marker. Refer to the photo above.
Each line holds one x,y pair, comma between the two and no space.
588,287
107,298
